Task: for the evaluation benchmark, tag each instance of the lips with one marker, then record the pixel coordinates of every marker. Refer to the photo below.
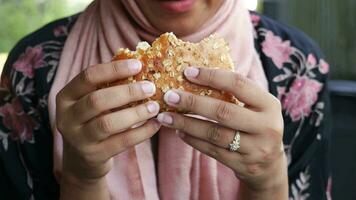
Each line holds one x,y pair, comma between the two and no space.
178,6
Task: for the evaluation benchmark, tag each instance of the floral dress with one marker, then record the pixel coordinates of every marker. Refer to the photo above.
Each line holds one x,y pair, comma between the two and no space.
294,66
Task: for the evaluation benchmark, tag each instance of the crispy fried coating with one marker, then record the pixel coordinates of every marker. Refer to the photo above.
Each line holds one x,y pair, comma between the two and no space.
163,64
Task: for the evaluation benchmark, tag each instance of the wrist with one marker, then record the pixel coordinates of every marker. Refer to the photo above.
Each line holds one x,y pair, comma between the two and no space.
72,179
73,187
273,185
275,192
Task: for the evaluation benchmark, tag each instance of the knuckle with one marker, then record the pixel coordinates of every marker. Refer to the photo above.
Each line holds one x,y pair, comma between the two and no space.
222,112
89,156
253,170
139,112
183,124
126,141
59,97
191,101
239,81
115,67
267,154
105,124
87,76
211,76
75,111
132,90
65,127
94,101
214,133
274,134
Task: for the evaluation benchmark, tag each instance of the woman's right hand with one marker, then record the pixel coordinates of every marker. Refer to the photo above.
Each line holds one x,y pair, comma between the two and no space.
92,132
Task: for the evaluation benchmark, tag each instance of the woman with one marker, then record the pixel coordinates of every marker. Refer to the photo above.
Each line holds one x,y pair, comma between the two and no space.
50,85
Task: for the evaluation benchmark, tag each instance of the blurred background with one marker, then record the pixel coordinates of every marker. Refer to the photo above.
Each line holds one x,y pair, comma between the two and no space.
21,17
331,23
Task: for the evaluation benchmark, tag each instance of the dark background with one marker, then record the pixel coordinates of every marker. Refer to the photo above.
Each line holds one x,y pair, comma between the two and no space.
332,24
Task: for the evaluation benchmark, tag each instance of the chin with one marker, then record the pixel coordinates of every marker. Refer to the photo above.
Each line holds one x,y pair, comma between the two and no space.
180,27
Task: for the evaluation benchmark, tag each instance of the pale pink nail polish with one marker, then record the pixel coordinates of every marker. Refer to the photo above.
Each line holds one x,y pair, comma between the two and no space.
148,87
171,97
191,72
153,107
165,118
134,66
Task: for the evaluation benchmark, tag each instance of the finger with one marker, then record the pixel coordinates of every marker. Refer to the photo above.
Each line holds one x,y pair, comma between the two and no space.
241,87
230,159
106,125
228,114
92,77
204,130
105,99
121,142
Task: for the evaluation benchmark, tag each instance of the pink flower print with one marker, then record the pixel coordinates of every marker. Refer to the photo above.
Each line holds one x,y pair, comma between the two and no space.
323,67
255,19
60,31
17,121
301,97
276,49
311,60
32,59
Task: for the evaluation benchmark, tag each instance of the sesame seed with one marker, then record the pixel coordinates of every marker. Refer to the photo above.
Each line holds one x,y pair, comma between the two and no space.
157,75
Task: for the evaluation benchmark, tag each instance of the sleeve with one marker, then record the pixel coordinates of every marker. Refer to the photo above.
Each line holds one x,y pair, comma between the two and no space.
14,183
298,75
26,145
306,109
307,148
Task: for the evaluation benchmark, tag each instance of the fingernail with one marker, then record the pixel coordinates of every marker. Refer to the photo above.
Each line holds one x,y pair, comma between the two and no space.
191,72
171,97
165,118
148,87
134,65
153,107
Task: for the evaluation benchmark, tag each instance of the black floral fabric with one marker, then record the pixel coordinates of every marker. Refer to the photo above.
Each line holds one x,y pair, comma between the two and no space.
294,65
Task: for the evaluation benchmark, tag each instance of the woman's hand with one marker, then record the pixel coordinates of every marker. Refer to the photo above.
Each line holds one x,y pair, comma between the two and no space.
92,132
260,162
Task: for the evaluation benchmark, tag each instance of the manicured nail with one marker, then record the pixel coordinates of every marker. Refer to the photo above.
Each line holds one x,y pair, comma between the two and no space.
165,118
148,87
134,65
153,107
171,97
191,72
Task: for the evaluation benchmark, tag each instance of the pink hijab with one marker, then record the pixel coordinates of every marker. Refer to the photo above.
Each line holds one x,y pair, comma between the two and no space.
183,172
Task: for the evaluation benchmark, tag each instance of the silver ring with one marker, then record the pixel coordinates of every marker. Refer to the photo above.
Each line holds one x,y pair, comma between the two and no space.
235,144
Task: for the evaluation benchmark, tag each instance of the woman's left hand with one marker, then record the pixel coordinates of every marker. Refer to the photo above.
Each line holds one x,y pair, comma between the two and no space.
260,162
